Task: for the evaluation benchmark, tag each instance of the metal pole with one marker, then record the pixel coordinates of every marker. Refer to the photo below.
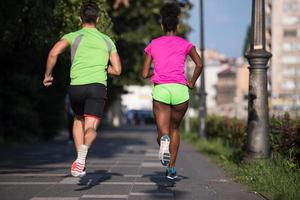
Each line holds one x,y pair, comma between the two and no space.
202,110
258,113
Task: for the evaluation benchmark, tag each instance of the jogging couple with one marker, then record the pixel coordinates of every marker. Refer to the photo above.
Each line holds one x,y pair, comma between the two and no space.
91,51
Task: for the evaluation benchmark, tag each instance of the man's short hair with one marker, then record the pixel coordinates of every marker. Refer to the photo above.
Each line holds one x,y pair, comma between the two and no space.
89,12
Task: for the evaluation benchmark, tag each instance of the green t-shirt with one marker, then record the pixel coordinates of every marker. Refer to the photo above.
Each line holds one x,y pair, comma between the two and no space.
91,58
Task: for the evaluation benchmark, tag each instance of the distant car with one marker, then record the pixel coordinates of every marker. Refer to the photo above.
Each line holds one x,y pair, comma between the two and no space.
138,117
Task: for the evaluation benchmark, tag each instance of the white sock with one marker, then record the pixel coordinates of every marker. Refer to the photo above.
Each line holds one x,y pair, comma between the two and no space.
81,156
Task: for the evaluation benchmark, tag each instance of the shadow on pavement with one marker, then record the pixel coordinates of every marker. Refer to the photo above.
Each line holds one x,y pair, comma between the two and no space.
93,179
164,185
55,155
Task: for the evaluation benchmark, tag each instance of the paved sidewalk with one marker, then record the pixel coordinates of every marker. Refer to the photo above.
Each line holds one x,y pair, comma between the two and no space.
122,164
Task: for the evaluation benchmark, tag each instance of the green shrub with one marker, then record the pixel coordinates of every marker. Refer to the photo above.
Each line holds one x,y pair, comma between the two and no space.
284,134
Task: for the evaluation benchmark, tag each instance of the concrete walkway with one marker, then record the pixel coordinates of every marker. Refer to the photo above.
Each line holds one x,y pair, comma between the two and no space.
122,164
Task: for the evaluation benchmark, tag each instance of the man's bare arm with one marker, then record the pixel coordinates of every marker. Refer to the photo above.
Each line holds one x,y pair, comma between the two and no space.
57,49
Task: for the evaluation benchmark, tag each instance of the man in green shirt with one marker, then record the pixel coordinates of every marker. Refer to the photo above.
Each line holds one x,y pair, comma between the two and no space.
91,51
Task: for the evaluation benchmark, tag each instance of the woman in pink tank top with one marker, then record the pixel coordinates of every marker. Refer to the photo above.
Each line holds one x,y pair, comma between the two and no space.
171,87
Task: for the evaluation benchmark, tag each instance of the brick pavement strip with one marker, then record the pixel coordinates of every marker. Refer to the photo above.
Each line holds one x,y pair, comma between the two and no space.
122,164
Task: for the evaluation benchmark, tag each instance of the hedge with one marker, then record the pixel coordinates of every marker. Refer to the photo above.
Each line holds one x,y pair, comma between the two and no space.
284,133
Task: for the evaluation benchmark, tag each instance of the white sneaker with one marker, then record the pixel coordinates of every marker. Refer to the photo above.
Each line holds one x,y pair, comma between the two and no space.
78,169
164,153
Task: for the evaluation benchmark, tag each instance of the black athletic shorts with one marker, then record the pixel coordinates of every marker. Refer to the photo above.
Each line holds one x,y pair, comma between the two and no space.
88,100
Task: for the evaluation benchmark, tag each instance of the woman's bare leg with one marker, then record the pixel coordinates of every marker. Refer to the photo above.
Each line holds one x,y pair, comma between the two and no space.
162,113
177,113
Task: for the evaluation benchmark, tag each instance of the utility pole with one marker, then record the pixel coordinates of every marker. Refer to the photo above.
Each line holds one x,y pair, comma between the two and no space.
202,109
258,112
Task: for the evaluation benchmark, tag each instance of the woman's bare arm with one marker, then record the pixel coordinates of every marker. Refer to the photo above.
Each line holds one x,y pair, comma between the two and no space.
198,67
146,72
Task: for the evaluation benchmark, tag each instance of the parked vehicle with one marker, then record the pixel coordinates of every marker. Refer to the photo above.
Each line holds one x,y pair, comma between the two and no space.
139,117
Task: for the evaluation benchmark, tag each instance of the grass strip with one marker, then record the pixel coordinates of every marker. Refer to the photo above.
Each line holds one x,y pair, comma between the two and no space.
277,177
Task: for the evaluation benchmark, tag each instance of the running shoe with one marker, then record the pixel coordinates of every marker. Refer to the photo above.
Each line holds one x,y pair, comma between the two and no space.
78,169
171,173
164,153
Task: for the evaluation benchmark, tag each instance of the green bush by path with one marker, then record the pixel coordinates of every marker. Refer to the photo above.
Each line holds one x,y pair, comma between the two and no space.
285,137
284,134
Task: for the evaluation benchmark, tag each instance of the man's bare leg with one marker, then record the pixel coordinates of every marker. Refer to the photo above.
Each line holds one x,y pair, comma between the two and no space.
78,131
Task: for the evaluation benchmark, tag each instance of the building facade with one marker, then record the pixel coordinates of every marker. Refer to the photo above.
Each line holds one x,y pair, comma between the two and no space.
232,89
213,65
226,91
283,41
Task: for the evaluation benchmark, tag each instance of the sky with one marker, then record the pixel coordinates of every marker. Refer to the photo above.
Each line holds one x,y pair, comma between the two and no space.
225,25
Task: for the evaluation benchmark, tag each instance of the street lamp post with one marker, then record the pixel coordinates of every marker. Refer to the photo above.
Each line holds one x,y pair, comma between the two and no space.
202,109
258,112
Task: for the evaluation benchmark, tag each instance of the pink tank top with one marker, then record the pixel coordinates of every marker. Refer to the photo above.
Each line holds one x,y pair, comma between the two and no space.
169,54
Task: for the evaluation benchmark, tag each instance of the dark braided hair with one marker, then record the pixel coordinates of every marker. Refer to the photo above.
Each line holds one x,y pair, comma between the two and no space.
169,14
89,12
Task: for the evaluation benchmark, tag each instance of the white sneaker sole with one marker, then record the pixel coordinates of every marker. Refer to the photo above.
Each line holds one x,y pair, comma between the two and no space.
164,153
172,178
78,174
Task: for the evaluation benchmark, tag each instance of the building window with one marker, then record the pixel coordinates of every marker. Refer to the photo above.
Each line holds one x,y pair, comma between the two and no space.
268,21
290,7
290,33
291,60
288,85
291,46
289,71
290,20
269,8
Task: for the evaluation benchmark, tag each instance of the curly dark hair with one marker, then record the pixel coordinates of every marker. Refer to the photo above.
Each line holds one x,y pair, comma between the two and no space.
89,12
169,13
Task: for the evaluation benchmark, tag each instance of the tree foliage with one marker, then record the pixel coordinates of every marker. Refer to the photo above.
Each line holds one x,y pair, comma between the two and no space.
135,26
247,40
28,30
68,12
